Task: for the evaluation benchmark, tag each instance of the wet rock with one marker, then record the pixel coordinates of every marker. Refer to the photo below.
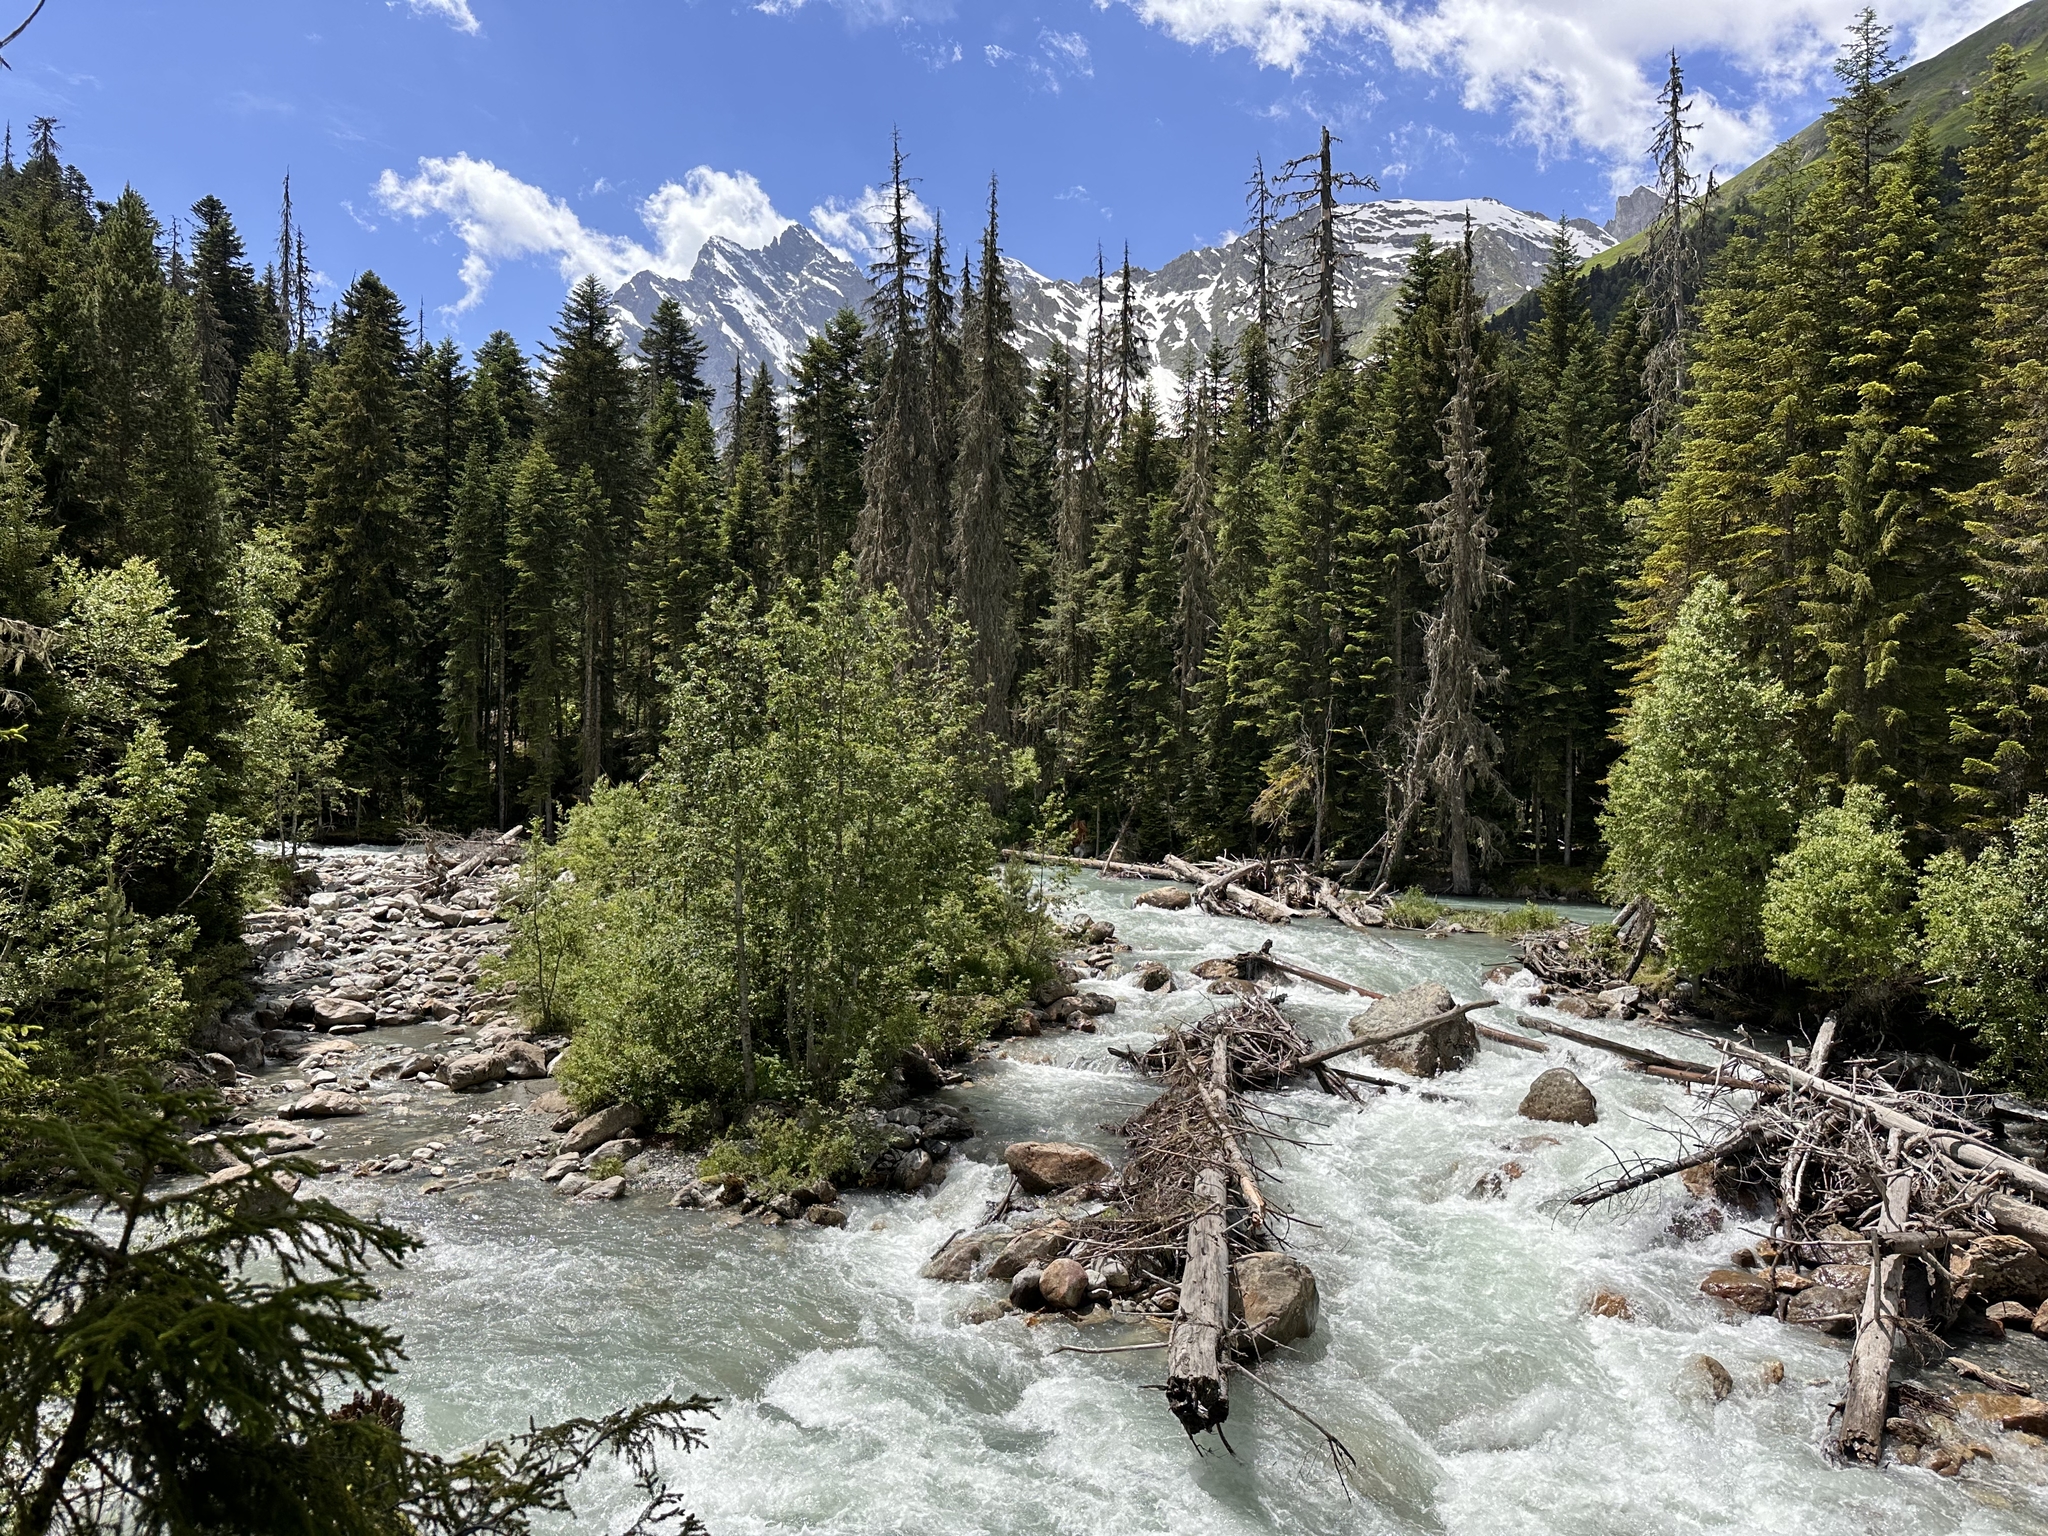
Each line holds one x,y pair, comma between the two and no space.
2027,1414
1063,1284
1117,1277
825,1215
1740,1288
257,1184
1155,977
574,1184
1167,898
1083,1005
1042,1167
1024,1292
420,1066
1610,1304
1274,1296
1558,1095
1826,1307
1573,1006
1441,1049
280,1138
342,1012
2039,1326
1771,1373
525,1060
1046,993
1030,1250
988,1309
1027,1022
475,1069
822,1191
604,1189
1219,970
1708,1181
562,1167
786,1206
913,1171
220,1067
1711,1376
2000,1268
964,1255
2013,1314
323,1104
595,1130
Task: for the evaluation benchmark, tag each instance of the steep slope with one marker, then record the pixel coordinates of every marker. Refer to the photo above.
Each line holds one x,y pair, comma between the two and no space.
760,305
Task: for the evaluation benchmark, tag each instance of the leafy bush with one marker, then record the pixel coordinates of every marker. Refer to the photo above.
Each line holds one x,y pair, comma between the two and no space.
1984,924
1834,908
1516,921
806,883
607,1167
785,1152
1701,800
1415,908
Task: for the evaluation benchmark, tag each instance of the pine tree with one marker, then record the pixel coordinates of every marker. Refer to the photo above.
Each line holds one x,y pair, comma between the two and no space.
760,426
1674,261
984,573
1453,750
900,541
361,552
682,552
543,617
259,445
672,354
828,426
747,530
227,306
476,691
592,424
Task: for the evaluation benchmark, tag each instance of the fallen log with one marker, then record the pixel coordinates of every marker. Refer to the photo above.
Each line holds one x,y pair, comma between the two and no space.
2016,1218
1195,1389
1867,1402
1264,908
1125,871
476,861
1250,960
1652,1172
1509,1037
1635,1053
1700,1077
1792,1186
1953,1145
1385,1036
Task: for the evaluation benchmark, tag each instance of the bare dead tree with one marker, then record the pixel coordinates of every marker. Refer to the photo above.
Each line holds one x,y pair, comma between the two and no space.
1312,184
10,37
1674,269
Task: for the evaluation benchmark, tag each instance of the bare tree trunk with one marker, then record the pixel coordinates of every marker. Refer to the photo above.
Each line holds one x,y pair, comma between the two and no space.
1195,1388
1791,1184
1870,1363
1570,764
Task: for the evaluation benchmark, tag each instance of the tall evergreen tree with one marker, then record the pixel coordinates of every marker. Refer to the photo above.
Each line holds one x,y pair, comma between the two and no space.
229,319
828,427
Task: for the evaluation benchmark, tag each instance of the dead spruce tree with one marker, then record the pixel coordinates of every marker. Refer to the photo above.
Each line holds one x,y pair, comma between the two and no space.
1674,272
1311,185
1453,749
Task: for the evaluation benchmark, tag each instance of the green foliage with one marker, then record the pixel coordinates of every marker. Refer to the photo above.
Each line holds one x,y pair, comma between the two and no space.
1985,946
805,876
1415,908
1701,800
174,1342
1834,910
1525,919
784,1152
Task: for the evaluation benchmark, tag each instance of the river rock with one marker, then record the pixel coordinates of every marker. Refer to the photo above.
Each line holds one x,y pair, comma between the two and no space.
2028,1414
1167,898
595,1130
913,1171
1032,1249
1999,1268
1711,1376
323,1104
260,1185
1274,1296
1024,1290
475,1069
2010,1314
1083,1005
1440,1049
988,1308
524,1059
1558,1095
603,1189
1042,1167
342,1012
965,1254
1741,1288
1063,1284
1826,1307
1155,977
221,1068
621,1147
1046,993
1219,970
562,1167
825,1215
822,1191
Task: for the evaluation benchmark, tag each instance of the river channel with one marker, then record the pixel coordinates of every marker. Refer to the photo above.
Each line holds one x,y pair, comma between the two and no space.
1456,1354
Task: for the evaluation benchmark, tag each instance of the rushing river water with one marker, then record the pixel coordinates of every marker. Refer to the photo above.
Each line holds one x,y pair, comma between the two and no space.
1456,1355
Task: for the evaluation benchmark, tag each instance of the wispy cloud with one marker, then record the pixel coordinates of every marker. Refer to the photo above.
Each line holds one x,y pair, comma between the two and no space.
455,12
499,218
1574,74
856,227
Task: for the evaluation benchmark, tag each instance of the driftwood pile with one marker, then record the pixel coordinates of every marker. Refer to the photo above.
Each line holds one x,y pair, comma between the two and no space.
1895,1215
1265,890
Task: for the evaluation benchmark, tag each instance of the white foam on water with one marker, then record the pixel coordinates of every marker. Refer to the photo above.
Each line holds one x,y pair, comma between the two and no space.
1456,1355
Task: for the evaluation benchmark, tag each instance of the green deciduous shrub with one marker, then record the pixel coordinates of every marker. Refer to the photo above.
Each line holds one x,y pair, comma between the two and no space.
1835,906
1984,925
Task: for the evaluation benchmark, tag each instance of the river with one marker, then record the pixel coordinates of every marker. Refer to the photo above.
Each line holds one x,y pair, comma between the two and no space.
1456,1355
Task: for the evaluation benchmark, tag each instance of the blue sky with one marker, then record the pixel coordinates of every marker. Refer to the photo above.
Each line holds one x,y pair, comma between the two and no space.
479,154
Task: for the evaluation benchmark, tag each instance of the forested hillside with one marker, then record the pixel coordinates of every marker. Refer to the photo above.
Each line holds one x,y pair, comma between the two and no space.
1385,606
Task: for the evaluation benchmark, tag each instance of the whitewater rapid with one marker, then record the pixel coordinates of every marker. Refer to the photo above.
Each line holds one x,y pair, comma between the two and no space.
1456,1355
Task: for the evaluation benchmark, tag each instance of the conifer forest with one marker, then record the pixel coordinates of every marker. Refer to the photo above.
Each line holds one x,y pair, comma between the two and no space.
1707,581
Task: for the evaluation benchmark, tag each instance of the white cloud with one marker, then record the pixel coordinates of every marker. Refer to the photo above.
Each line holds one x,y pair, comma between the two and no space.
455,12
857,227
1575,73
500,218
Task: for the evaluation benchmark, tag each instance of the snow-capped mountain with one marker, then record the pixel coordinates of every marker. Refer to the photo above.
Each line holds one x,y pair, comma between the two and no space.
759,305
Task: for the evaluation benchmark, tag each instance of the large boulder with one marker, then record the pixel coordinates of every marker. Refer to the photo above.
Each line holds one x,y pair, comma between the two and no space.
1042,1167
1742,1288
2005,1410
322,1104
1442,1048
612,1121
524,1059
342,1012
2000,1268
475,1069
1274,1296
1167,898
1829,1308
1030,1250
1559,1096
1064,1284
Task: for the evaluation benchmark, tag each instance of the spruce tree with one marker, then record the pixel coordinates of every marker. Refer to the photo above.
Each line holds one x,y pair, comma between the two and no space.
227,305
828,427
543,614
258,448
681,549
